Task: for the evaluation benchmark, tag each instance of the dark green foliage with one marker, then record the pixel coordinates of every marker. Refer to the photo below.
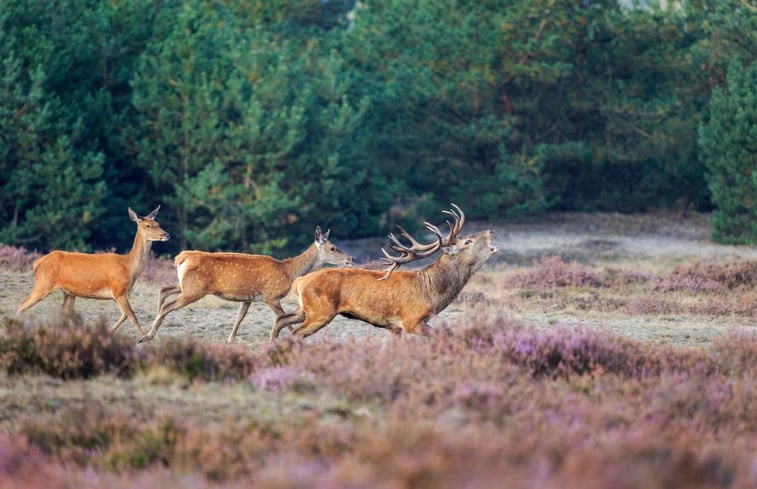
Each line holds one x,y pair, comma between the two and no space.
728,142
252,121
437,72
214,121
50,187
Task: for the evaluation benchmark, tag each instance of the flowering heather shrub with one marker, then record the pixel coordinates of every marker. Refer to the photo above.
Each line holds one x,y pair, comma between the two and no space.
68,349
159,271
484,402
618,277
710,278
16,259
714,289
365,370
279,378
472,299
565,351
78,432
553,272
736,352
71,349
22,464
200,360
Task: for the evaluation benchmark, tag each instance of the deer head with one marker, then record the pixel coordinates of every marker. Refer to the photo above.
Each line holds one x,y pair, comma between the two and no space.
148,227
328,252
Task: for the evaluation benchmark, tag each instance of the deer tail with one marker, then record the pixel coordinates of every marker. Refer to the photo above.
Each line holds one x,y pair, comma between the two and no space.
180,258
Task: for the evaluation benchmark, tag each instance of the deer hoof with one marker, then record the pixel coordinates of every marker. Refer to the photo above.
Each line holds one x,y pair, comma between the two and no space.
145,338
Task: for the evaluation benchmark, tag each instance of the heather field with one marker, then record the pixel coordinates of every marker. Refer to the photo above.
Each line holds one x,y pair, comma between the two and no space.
600,351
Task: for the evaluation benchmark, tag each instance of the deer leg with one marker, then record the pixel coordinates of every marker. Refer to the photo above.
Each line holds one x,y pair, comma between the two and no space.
276,306
164,293
417,322
240,315
312,325
422,329
279,311
286,321
36,295
123,304
118,323
68,304
177,303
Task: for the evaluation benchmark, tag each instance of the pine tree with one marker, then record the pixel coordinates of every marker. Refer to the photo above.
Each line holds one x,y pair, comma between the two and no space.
217,119
51,190
728,144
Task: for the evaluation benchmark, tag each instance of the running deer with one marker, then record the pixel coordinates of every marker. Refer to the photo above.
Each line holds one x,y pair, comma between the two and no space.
395,300
243,278
97,276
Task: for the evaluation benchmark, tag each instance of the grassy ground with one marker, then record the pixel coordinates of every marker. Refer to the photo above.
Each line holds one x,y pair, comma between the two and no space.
593,351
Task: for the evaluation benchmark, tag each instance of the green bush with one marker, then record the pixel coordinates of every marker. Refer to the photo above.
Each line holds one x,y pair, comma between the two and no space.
728,143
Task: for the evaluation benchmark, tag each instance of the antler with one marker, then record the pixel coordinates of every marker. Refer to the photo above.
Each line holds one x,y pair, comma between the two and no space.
418,250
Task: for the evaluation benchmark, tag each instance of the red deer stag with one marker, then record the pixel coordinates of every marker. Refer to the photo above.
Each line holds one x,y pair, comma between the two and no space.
243,278
398,301
100,276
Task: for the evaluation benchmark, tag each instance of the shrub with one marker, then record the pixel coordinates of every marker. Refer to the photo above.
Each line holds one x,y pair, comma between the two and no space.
728,146
710,277
485,401
202,361
68,349
17,259
552,271
159,271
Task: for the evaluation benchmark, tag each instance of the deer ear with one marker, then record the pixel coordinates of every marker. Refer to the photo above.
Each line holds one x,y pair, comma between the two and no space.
154,213
133,215
325,236
318,236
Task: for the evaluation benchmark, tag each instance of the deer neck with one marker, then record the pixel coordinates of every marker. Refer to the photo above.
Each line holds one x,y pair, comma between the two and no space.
137,256
444,279
305,262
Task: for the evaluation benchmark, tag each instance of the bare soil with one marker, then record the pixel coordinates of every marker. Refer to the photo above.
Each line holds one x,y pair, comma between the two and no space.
638,242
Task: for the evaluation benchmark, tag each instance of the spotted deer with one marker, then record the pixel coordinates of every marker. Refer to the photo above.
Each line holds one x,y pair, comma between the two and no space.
97,276
242,278
396,300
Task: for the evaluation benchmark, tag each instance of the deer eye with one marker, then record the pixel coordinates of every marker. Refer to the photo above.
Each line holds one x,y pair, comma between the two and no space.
468,241
148,225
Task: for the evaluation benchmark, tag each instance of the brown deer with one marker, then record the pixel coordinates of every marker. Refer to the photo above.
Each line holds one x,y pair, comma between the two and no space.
242,277
398,301
97,276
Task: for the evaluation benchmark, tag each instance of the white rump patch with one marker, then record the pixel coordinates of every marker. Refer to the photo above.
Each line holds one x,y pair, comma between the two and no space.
181,270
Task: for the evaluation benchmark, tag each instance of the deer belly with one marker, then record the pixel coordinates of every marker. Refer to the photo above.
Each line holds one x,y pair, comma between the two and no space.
241,296
374,319
85,293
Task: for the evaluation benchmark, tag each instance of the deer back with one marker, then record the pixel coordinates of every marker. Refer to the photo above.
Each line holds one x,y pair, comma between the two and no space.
231,274
83,274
